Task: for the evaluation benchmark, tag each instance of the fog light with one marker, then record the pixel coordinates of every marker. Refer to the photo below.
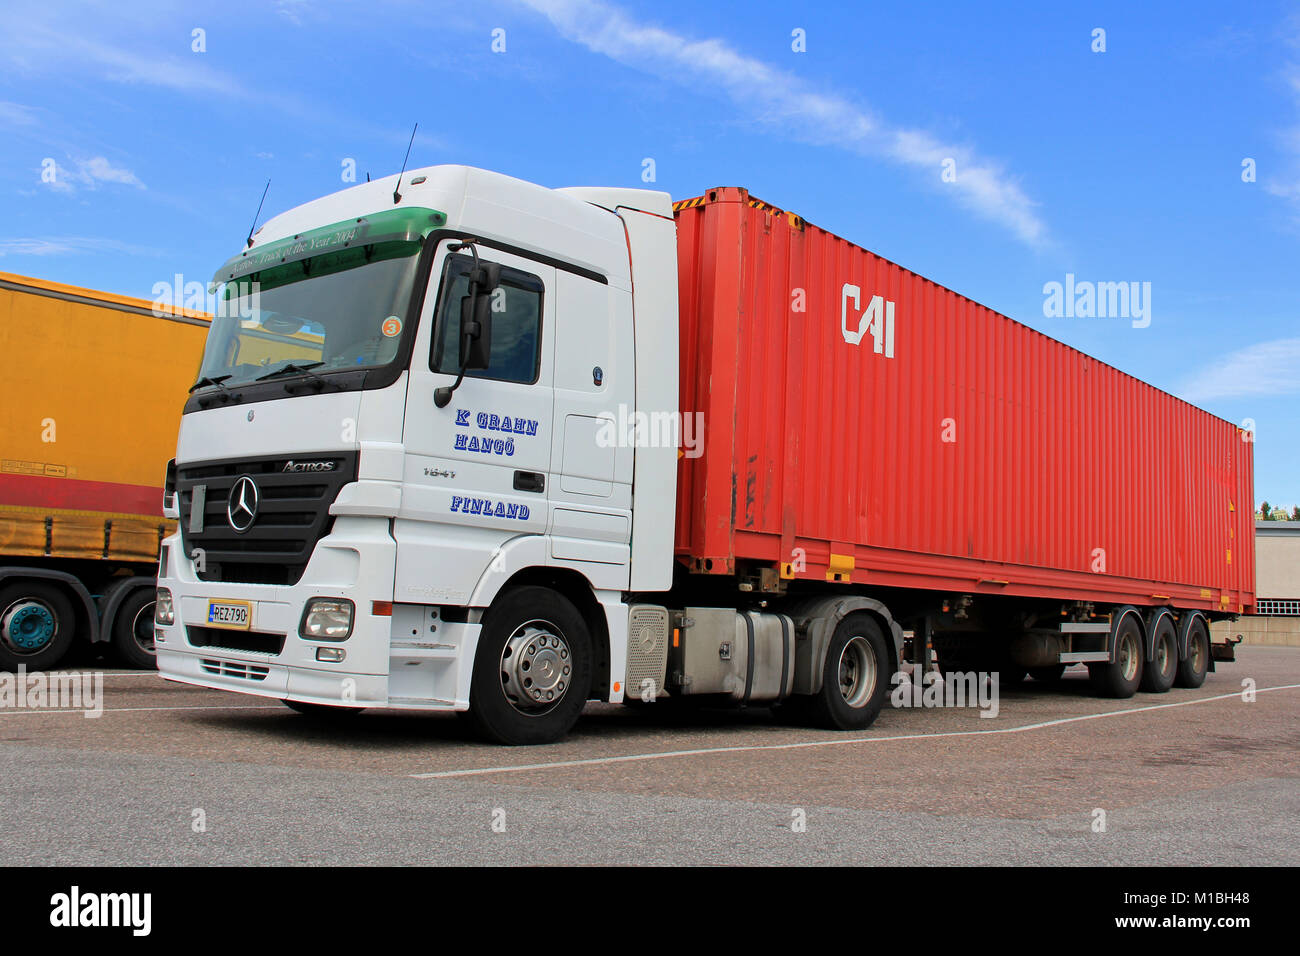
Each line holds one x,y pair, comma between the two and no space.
164,614
326,619
330,655
159,636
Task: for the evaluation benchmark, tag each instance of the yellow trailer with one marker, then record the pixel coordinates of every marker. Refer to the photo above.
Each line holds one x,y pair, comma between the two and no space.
90,402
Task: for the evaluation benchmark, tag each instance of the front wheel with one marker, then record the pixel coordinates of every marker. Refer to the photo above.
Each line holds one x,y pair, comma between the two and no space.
854,677
133,630
532,669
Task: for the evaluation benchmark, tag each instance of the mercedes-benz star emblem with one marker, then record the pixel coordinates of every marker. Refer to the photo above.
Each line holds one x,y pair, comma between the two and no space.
241,507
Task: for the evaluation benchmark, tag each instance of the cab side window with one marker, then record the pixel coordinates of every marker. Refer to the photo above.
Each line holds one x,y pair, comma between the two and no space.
516,324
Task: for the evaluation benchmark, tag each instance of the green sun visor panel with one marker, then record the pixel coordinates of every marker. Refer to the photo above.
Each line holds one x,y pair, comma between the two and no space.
394,225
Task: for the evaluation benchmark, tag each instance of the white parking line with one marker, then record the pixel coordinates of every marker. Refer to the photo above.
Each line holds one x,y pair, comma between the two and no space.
839,742
128,710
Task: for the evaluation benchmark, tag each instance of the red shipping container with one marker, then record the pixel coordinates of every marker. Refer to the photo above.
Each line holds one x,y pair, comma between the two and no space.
950,448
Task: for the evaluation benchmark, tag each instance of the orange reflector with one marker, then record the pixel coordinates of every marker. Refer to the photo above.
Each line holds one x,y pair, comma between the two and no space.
381,608
617,687
677,637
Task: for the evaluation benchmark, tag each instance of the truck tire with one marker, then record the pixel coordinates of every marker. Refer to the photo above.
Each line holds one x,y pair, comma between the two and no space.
855,676
37,625
327,711
133,630
1120,678
1192,668
532,669
1158,674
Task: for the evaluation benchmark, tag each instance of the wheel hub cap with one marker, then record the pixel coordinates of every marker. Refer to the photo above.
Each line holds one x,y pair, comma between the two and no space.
536,666
28,627
857,672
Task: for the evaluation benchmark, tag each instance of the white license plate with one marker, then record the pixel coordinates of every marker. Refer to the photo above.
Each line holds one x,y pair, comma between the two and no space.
236,615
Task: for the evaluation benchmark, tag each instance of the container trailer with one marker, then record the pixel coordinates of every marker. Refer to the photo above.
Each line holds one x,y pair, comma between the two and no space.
88,420
472,444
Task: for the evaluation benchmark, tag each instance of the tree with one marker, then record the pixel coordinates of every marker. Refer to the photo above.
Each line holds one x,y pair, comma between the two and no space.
1295,512
1264,512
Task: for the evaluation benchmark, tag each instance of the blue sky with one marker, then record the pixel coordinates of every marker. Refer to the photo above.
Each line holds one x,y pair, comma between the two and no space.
1122,165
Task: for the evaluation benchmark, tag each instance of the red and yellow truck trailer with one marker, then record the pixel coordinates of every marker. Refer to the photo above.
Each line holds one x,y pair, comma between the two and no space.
869,428
88,411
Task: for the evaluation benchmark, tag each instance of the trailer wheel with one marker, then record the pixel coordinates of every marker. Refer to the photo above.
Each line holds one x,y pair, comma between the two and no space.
532,670
854,677
1050,674
1191,670
1120,678
1158,674
133,630
36,625
321,710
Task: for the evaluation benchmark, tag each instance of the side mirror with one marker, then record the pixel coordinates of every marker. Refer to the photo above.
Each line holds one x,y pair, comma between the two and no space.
476,331
487,275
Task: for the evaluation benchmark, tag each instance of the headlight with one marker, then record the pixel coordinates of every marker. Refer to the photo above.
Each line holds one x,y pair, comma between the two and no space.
326,619
164,615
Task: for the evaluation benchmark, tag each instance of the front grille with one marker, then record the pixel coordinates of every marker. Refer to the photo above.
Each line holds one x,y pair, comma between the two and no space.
292,515
228,640
235,669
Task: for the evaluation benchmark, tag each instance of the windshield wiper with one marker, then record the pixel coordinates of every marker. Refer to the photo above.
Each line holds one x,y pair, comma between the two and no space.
206,381
291,368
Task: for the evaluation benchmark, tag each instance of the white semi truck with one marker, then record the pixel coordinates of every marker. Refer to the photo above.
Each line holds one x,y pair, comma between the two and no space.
403,478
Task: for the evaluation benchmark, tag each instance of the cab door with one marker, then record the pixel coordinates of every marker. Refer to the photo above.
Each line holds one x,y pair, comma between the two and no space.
476,472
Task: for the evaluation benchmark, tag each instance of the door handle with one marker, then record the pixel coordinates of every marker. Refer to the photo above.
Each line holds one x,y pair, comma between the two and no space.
529,481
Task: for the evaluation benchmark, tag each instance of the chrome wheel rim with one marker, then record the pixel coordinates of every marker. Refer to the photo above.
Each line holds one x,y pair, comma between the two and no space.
857,671
536,668
142,628
1197,652
1128,658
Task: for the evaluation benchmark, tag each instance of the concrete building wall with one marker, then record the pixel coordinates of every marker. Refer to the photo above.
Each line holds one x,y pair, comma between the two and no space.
1277,579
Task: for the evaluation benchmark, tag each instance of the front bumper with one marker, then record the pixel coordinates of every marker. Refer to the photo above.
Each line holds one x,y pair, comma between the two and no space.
355,561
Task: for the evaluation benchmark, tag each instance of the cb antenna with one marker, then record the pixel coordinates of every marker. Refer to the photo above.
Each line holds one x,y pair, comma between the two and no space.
397,196
258,214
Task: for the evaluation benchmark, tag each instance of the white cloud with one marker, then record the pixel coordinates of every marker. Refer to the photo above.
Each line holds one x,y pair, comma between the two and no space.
291,10
1263,369
780,98
89,174
32,47
67,245
15,114
1288,186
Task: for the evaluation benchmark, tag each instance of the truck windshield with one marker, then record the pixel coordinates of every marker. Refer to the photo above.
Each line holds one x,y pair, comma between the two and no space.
340,311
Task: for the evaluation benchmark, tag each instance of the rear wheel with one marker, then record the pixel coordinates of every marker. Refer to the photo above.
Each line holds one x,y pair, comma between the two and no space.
133,630
1120,678
1191,669
36,625
854,676
1158,674
532,669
